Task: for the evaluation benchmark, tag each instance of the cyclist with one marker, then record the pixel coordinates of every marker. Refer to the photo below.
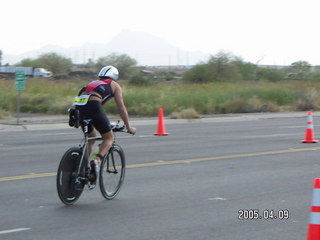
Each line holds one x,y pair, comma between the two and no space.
89,102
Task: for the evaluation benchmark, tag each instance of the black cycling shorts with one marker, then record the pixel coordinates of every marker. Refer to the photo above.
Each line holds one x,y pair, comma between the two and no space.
93,110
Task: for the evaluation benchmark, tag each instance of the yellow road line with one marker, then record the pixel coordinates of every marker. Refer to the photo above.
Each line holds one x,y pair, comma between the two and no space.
170,162
27,176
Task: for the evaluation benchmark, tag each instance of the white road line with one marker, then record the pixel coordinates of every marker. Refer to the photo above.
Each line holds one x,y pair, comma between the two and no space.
14,230
217,198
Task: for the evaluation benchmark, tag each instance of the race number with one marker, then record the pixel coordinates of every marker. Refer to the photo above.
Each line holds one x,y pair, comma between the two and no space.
81,100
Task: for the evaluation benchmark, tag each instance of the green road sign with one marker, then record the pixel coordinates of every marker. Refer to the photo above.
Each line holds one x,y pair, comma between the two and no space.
20,80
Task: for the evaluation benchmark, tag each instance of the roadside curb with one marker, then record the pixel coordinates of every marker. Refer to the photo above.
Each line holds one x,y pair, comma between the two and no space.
61,122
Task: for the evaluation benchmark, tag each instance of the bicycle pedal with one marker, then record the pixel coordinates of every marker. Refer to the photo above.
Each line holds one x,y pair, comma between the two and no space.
91,186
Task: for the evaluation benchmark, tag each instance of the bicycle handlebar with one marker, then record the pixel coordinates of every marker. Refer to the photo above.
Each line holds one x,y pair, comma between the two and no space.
116,127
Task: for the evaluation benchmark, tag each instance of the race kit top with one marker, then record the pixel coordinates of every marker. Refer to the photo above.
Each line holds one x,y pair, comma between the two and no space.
102,87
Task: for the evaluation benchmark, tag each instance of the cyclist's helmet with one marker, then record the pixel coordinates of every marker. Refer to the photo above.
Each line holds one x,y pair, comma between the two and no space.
109,72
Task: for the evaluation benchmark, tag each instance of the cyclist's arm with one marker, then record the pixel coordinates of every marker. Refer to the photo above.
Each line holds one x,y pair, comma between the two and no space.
81,91
122,108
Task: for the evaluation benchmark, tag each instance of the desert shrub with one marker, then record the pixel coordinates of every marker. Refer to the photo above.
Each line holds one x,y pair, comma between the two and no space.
189,113
139,80
309,100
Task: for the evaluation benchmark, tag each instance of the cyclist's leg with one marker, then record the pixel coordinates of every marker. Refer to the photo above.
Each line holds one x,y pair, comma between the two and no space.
106,143
91,110
93,133
102,124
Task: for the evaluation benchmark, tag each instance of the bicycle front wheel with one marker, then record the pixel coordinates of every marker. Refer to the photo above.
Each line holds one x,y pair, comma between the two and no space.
68,190
112,171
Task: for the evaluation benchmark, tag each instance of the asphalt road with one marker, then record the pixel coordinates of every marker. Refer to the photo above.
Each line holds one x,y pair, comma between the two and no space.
193,184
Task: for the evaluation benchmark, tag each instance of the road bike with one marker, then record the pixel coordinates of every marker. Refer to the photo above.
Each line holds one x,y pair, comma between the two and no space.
74,171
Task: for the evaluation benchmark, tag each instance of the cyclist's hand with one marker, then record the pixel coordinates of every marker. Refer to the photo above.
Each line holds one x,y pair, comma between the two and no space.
132,130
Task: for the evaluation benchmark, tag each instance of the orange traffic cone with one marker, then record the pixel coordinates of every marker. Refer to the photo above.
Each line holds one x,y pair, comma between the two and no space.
161,128
314,224
309,138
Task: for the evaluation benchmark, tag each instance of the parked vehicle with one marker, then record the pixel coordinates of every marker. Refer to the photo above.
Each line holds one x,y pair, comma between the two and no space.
28,71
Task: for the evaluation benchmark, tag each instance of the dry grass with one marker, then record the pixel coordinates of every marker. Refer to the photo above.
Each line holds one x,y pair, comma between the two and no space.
179,100
188,113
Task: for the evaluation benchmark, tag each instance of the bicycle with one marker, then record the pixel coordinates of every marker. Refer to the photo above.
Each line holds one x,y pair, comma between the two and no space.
73,171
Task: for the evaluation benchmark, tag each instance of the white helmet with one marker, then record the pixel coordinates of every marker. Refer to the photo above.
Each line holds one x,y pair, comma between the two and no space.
109,72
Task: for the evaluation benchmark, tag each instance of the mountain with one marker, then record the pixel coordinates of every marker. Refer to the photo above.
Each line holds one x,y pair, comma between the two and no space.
145,48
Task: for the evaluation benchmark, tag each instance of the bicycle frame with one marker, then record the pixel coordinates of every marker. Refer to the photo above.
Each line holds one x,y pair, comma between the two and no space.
86,140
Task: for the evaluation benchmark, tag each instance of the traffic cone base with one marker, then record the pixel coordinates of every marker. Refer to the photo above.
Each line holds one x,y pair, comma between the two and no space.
309,135
161,131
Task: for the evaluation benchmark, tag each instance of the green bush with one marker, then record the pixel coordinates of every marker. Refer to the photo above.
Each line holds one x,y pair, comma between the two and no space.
223,67
269,74
139,80
198,74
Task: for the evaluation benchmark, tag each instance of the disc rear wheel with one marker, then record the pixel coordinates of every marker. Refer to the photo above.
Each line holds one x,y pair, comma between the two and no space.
69,186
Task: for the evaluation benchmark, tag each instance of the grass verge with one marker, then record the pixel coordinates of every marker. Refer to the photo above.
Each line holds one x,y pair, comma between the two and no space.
179,100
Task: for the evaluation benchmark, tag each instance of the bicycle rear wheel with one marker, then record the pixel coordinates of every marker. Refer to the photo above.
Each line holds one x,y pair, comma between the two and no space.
68,190
112,172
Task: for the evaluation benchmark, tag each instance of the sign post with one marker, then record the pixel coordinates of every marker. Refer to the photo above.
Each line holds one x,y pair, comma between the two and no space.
20,85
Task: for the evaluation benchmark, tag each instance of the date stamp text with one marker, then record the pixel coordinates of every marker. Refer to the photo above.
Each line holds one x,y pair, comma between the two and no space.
256,214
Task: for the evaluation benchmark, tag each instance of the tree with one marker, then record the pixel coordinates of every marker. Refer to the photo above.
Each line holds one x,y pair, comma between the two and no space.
55,63
28,62
123,62
223,66
270,74
198,74
300,70
0,57
50,61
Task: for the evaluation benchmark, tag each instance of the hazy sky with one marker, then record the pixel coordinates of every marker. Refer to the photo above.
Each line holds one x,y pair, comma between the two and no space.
276,31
